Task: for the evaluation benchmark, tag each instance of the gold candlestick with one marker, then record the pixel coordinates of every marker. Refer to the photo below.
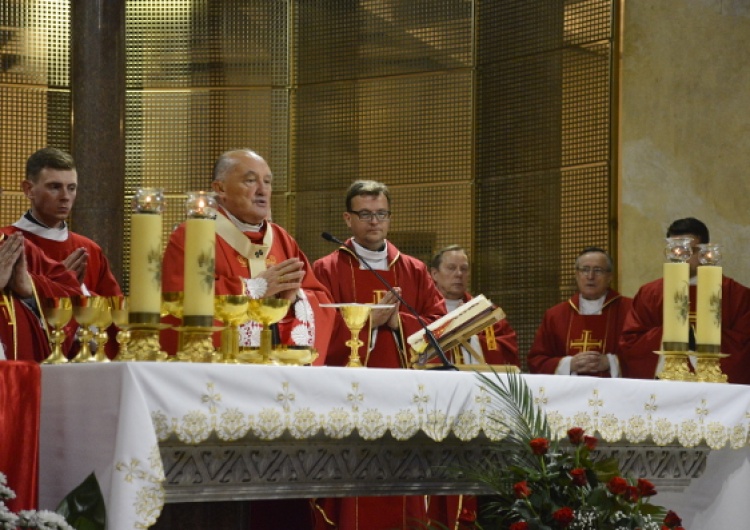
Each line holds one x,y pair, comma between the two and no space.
57,312
267,311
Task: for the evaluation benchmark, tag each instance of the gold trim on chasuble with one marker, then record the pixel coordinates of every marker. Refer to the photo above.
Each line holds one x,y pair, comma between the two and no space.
250,255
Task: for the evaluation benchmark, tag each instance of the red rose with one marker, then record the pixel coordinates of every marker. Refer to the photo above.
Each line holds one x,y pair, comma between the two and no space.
646,488
590,442
539,446
631,494
575,435
467,516
617,485
672,519
579,476
563,516
521,490
520,525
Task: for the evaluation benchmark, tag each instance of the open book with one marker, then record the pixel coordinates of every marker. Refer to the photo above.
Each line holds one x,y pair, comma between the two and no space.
454,329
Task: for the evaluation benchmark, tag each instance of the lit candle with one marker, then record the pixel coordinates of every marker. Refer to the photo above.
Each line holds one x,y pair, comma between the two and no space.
145,256
200,245
675,334
708,306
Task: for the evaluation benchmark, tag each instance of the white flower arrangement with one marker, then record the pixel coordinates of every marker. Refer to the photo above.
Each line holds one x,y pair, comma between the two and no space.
42,519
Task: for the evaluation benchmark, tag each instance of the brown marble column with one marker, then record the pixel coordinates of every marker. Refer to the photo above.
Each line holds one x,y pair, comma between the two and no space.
98,105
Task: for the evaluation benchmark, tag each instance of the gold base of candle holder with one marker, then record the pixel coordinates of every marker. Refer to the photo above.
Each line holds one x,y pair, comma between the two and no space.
144,342
676,366
708,367
198,345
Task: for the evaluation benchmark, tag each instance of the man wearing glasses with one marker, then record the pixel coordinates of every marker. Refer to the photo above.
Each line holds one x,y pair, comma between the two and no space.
642,332
368,216
580,336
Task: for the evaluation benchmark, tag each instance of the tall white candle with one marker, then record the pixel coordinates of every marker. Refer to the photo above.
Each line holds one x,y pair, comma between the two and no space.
675,334
708,306
200,257
145,256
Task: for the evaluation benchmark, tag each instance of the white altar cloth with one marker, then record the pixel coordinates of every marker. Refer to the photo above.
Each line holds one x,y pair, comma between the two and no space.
110,418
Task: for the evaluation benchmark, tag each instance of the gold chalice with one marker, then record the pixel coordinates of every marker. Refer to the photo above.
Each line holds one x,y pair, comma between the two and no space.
102,321
267,311
232,309
121,318
171,304
57,312
86,310
355,317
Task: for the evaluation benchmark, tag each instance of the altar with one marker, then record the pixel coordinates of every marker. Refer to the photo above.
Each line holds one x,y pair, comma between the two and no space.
157,433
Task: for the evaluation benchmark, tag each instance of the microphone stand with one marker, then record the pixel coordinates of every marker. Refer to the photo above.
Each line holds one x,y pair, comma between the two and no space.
446,364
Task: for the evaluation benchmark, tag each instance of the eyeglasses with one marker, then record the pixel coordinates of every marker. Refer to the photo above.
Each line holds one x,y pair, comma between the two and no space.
596,271
367,215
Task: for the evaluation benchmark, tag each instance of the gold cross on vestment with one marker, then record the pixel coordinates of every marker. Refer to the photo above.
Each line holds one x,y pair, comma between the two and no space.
586,342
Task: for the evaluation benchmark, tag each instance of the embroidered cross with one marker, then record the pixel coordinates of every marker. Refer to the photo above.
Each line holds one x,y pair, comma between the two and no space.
586,342
259,253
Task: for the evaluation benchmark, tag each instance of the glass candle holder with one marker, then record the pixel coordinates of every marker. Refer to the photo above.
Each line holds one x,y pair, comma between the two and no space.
678,249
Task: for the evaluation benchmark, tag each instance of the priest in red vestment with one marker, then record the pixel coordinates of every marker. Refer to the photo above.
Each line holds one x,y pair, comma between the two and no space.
255,257
449,269
51,186
642,332
384,346
581,335
27,276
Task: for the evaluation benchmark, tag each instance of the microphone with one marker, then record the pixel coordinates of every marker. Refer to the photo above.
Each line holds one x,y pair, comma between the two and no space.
447,365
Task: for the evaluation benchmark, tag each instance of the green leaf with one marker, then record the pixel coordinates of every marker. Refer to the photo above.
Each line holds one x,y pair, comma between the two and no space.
83,508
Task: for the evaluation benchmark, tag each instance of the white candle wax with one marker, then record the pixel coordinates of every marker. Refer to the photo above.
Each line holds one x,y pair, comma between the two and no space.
145,265
676,304
708,306
200,244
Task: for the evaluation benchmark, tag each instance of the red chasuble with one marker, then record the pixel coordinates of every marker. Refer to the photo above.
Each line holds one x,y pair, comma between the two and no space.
641,334
98,279
231,270
347,282
21,330
565,331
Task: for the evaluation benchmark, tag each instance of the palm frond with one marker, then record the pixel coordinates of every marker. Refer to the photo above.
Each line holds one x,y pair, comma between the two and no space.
514,407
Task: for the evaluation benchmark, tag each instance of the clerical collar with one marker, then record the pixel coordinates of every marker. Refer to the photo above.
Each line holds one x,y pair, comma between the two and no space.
591,307
453,304
378,259
241,225
28,223
30,217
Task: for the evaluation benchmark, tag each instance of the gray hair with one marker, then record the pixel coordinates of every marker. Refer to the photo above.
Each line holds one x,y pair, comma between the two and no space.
228,159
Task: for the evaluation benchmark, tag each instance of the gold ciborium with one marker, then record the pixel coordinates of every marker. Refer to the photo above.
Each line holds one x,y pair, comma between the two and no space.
267,311
121,318
86,310
57,312
102,321
232,309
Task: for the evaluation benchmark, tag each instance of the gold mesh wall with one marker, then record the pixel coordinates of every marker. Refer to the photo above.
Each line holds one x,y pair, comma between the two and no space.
34,91
384,92
544,162
204,77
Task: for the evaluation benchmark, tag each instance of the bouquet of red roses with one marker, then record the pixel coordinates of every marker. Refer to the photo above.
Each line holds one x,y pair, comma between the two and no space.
549,484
